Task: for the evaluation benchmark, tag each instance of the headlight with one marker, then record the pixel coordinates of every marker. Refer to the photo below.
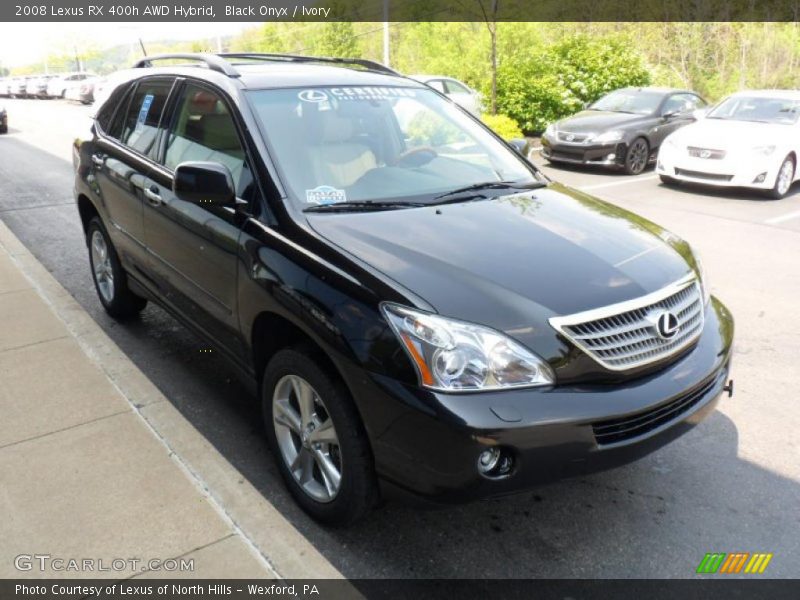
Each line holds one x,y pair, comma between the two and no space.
550,131
608,136
763,150
670,143
701,274
453,355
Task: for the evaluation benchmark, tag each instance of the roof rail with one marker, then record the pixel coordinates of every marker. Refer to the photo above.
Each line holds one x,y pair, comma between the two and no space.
361,62
212,61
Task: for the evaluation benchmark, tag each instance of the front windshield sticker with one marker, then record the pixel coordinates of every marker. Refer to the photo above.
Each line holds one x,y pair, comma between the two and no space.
146,103
325,194
356,93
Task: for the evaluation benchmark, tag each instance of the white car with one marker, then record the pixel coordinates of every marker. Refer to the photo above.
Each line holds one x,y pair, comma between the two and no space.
456,90
57,87
750,139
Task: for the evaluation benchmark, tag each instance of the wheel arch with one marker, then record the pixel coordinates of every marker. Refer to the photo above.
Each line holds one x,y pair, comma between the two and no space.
87,211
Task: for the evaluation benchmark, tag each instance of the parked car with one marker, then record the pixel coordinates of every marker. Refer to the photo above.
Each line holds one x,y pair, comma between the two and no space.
751,139
57,87
419,314
37,87
456,90
82,91
4,82
3,119
18,87
623,129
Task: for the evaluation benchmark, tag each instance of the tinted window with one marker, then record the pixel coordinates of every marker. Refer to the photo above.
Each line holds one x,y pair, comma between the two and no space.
681,103
437,85
642,102
203,130
453,87
118,99
140,126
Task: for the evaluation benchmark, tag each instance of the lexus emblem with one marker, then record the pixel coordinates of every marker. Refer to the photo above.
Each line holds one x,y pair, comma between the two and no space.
569,137
665,324
705,153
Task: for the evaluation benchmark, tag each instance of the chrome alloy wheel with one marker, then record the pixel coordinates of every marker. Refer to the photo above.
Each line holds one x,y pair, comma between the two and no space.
307,438
101,263
638,156
785,177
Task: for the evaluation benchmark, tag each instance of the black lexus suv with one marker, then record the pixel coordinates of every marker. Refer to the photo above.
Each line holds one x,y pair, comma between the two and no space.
419,310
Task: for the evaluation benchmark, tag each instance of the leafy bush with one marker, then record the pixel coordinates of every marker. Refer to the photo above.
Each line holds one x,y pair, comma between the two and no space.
504,126
538,90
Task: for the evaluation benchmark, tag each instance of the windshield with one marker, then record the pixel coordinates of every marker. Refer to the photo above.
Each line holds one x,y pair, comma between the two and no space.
761,110
336,145
640,102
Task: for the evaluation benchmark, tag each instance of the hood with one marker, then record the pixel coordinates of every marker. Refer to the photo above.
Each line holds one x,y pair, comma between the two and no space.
515,260
727,134
595,121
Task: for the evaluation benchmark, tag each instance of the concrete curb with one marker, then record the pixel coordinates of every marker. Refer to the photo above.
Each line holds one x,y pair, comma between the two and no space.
284,550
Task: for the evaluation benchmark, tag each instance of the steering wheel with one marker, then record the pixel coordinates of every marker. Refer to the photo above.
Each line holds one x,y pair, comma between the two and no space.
416,157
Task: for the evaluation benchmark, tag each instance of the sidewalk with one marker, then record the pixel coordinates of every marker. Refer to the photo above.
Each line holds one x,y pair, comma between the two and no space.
96,464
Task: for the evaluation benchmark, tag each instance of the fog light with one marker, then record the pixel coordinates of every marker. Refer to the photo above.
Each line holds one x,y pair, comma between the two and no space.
760,178
495,463
611,156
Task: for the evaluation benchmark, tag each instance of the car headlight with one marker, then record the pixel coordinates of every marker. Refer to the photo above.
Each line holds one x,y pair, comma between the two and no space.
607,136
763,150
670,143
702,275
550,130
453,355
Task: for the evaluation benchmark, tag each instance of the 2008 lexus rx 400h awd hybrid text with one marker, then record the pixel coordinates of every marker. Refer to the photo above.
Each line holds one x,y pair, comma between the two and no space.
419,310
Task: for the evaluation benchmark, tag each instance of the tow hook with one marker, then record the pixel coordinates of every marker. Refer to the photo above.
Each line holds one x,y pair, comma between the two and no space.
728,388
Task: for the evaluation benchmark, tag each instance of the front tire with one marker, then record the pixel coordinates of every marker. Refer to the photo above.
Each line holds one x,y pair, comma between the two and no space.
109,278
637,156
784,179
317,439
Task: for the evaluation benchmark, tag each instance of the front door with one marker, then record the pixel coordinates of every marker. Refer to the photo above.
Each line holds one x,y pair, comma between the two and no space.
193,248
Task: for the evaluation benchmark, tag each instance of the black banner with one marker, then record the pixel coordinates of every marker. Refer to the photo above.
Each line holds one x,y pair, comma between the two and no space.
398,10
397,589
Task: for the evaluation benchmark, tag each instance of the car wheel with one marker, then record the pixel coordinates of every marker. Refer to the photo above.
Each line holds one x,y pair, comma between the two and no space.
784,179
110,279
317,439
637,156
667,180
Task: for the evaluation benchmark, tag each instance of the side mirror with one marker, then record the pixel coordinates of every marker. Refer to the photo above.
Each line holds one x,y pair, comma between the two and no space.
670,114
204,183
520,145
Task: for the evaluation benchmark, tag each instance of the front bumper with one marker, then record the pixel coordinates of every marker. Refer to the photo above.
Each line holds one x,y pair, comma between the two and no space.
427,444
756,171
612,154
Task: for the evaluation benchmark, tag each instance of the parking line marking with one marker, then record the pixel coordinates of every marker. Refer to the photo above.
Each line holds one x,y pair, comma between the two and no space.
782,218
598,186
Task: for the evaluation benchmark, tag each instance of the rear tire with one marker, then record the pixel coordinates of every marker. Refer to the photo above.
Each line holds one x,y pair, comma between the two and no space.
293,374
784,179
110,279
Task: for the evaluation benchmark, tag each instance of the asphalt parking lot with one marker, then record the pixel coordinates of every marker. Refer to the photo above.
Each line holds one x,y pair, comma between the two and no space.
730,485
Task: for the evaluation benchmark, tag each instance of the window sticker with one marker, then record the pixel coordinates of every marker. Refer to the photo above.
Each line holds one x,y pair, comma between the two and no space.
143,111
317,96
325,194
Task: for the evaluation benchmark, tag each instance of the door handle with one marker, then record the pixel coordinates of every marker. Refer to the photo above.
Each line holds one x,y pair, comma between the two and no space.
98,160
152,196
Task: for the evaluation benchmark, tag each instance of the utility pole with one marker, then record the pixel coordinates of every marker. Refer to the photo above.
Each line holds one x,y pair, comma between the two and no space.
386,33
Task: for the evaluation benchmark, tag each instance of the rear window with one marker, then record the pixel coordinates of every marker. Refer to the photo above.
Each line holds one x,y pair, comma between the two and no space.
140,125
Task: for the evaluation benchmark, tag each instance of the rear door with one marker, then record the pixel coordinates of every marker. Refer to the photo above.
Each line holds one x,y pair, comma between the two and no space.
193,248
123,160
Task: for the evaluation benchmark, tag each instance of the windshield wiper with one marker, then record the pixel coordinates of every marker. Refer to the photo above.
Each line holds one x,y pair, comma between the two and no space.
456,195
357,206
